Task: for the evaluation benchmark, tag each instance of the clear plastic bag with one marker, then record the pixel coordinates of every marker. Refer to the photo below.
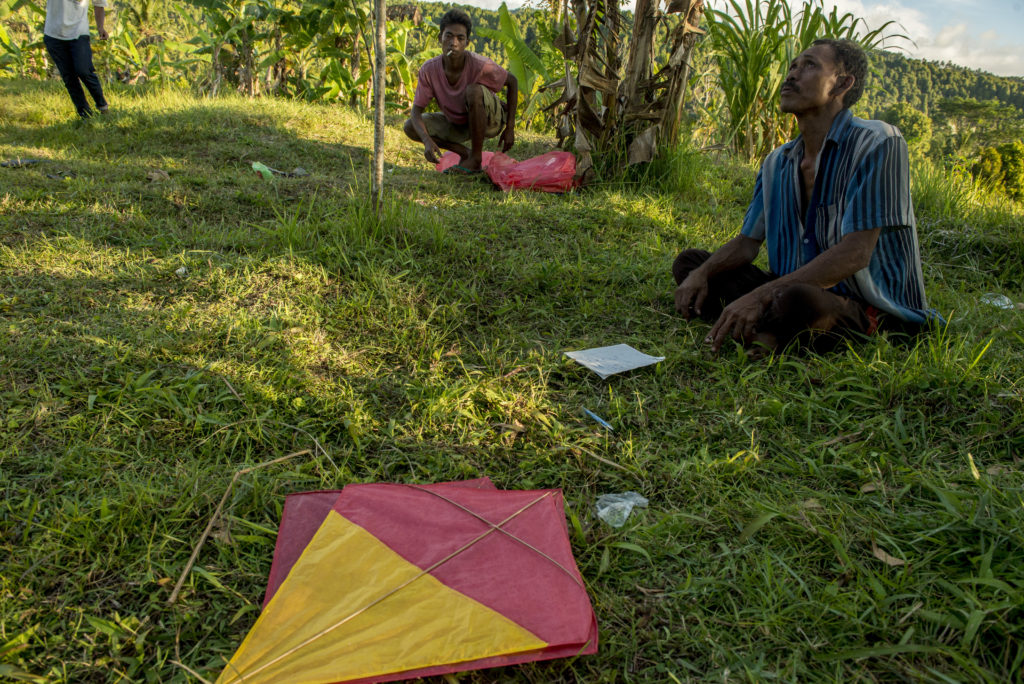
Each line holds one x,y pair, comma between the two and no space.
1000,301
614,509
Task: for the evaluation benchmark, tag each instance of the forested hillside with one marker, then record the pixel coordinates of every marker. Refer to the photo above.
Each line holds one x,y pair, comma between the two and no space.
922,84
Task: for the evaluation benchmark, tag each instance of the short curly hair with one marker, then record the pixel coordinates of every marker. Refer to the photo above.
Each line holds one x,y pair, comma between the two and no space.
851,60
456,16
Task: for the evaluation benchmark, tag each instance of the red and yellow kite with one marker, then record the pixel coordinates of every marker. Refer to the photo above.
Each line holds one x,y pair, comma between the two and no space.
382,582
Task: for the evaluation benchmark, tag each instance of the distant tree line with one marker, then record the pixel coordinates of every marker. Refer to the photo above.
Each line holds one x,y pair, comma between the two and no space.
923,84
961,118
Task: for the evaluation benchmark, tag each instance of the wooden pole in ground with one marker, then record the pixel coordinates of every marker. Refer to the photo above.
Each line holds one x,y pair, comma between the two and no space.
380,60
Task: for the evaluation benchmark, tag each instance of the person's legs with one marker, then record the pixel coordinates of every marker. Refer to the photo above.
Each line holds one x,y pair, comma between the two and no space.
450,136
477,123
900,331
486,120
807,316
811,318
447,135
81,51
61,52
724,287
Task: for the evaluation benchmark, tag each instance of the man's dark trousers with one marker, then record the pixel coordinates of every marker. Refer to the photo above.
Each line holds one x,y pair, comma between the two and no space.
74,62
809,316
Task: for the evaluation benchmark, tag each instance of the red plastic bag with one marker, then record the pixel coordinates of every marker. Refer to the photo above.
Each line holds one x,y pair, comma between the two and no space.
550,172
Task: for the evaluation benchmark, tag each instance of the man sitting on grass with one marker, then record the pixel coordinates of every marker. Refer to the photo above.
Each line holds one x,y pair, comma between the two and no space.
833,207
465,86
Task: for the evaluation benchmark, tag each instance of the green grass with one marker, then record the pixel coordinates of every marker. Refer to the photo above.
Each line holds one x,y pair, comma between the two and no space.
131,391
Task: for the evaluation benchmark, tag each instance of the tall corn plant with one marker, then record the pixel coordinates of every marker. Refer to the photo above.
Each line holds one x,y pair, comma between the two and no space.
133,58
753,43
22,53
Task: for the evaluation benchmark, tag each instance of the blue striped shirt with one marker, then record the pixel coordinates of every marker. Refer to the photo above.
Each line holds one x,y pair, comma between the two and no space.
862,182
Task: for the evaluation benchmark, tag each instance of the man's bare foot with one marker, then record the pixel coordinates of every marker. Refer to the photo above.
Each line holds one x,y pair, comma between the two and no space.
763,344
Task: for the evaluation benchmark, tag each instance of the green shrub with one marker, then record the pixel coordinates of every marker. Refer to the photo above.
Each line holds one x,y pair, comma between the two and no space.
1012,155
914,124
988,168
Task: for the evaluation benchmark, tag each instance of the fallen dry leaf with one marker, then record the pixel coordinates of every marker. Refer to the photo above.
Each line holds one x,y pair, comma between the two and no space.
974,468
872,487
891,561
157,175
222,532
812,505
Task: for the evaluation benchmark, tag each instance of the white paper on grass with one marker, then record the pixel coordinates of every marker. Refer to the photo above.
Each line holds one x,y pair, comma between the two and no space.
617,358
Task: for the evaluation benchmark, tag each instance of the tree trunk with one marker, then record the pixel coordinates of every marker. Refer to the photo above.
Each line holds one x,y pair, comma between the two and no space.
683,40
355,62
380,58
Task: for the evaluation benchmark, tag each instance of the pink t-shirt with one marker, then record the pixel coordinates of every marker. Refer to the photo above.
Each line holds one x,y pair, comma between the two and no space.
433,84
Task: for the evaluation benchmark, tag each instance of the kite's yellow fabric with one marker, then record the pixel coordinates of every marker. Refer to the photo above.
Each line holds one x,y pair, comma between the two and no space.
343,570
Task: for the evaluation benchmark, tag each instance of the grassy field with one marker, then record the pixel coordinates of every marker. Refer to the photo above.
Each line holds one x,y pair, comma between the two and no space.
857,516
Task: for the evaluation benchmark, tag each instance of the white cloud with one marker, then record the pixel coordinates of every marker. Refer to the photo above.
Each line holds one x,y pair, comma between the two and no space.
493,4
990,50
998,50
950,36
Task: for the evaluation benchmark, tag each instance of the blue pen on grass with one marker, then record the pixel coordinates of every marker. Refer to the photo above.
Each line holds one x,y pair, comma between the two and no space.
601,421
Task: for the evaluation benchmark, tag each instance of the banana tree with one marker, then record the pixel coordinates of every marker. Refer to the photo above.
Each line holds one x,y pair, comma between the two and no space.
400,62
524,63
627,113
231,33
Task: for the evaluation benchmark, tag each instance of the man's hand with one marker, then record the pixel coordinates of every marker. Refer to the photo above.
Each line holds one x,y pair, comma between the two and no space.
431,151
691,293
101,24
508,138
738,320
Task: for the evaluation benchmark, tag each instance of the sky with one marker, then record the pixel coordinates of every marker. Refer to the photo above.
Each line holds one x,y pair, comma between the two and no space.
979,34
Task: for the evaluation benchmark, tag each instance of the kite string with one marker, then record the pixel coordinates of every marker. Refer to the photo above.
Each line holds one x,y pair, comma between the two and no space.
505,532
365,608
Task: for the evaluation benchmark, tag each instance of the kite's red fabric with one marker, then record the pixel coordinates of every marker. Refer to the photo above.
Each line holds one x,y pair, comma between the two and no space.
518,562
302,516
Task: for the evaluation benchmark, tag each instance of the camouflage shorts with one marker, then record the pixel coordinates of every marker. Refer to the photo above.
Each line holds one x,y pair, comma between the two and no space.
441,128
